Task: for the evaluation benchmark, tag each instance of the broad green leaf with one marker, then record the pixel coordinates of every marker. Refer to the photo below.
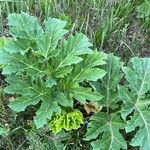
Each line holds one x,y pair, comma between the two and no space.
31,95
88,70
137,102
50,82
22,86
54,31
105,130
108,85
72,49
19,45
128,99
24,26
42,66
20,103
20,63
45,112
85,74
4,57
139,75
63,100
142,136
95,59
62,72
82,94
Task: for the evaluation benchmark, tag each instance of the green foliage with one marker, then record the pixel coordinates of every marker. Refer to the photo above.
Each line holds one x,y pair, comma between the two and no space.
67,121
3,42
144,12
37,141
111,25
143,9
133,115
113,22
107,125
136,101
51,73
109,83
43,67
4,130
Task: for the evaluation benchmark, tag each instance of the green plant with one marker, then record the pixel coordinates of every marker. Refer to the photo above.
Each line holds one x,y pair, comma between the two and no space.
3,42
45,68
112,22
57,73
144,12
109,123
37,140
3,130
136,101
126,106
67,121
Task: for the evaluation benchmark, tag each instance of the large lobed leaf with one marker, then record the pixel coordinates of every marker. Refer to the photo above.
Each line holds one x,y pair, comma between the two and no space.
137,101
107,128
108,85
135,110
24,26
44,65
104,127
